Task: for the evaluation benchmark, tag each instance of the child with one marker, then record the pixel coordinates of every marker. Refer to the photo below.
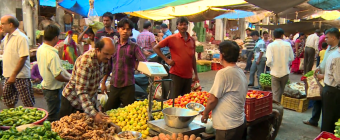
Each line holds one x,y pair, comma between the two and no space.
322,52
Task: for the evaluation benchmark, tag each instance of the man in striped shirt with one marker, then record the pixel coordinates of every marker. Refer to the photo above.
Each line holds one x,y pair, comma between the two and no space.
122,66
146,40
249,44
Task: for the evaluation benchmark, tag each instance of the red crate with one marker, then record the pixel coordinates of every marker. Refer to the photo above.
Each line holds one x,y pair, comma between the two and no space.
257,108
216,66
326,135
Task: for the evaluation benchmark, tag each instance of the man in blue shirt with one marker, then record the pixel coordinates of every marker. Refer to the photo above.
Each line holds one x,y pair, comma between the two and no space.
166,33
259,59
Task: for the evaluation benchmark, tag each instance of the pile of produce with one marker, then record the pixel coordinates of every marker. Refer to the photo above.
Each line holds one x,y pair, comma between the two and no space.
174,136
36,133
265,80
38,86
325,139
134,117
337,129
200,97
255,94
295,90
66,65
20,116
79,126
309,74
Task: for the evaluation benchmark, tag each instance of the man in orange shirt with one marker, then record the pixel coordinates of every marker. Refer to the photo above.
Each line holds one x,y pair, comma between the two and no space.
183,62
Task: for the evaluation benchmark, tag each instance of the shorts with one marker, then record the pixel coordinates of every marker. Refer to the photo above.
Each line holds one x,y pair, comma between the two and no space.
23,88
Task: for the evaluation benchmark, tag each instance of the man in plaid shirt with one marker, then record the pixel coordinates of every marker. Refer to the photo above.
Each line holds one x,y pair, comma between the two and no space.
123,62
80,94
146,40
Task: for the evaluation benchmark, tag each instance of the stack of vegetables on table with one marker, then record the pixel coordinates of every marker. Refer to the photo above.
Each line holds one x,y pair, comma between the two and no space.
20,116
174,136
79,126
35,133
265,80
337,129
66,65
200,97
134,116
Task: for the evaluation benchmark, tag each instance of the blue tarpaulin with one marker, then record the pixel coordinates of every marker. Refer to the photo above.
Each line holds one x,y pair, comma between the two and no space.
325,4
236,14
81,7
51,3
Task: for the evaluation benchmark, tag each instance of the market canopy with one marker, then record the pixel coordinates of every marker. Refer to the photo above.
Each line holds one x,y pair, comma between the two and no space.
183,10
275,6
175,3
81,7
236,14
51,3
325,4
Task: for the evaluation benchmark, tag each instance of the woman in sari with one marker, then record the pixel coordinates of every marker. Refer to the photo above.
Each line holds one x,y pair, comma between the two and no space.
299,50
70,52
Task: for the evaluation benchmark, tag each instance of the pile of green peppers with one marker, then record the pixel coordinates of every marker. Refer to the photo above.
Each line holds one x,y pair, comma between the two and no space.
309,74
265,80
20,116
36,133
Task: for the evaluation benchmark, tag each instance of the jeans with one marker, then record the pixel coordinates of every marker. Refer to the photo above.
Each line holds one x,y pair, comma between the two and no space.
68,27
317,61
250,55
316,112
257,67
53,99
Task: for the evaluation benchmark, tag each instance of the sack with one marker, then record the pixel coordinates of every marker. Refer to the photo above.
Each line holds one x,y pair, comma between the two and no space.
97,26
301,64
314,90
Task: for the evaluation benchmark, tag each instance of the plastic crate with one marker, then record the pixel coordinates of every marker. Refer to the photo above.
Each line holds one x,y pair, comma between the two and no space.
299,105
216,66
257,108
326,135
199,49
207,67
200,68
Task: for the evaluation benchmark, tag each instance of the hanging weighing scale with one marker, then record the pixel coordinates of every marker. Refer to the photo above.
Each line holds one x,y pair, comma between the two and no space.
153,69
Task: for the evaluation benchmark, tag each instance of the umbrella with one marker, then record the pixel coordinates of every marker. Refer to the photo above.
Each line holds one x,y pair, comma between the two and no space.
81,7
325,4
236,14
327,15
51,3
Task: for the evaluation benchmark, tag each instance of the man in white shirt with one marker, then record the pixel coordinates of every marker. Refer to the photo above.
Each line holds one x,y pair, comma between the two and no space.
227,98
279,55
331,93
16,64
312,44
332,39
51,71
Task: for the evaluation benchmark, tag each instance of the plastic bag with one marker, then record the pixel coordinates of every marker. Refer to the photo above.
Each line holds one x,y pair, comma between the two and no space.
208,126
314,89
92,15
102,99
158,92
301,66
195,86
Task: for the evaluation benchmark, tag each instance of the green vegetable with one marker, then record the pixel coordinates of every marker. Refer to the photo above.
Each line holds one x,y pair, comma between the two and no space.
265,80
36,133
309,74
337,129
20,116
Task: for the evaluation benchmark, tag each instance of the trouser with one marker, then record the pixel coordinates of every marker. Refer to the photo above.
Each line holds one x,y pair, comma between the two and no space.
124,95
317,105
53,100
250,55
259,68
330,108
23,88
278,87
66,108
317,61
309,59
180,86
232,134
68,27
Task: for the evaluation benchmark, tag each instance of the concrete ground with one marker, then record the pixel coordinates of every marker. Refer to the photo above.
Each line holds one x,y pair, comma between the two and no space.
292,127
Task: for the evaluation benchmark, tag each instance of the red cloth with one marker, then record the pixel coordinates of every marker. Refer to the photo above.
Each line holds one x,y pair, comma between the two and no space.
182,53
321,40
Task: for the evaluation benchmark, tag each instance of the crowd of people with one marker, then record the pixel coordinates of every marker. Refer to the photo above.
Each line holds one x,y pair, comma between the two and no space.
114,54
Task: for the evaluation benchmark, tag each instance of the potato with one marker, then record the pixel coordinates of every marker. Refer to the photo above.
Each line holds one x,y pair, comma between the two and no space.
155,138
162,136
186,137
174,136
192,137
198,138
168,136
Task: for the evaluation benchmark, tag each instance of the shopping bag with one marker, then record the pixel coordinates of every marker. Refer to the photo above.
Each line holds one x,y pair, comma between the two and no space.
314,90
195,86
301,64
158,92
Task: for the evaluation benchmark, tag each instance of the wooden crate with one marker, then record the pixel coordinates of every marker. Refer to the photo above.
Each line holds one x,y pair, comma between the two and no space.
299,105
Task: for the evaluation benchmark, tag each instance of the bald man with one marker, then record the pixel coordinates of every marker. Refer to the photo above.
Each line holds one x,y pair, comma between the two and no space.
16,64
80,94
